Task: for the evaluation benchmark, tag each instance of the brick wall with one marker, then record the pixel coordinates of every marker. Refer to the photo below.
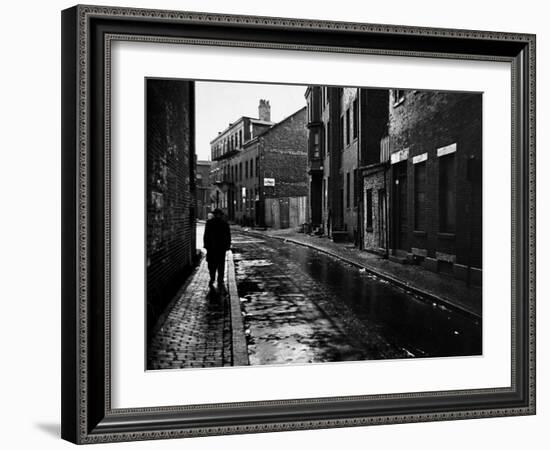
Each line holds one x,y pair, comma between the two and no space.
424,122
284,157
170,191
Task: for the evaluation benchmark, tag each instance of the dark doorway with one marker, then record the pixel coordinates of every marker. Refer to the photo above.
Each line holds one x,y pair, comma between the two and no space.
316,199
381,218
400,213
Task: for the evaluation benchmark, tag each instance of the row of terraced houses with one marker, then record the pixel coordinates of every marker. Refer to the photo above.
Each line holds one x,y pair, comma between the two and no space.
259,170
397,172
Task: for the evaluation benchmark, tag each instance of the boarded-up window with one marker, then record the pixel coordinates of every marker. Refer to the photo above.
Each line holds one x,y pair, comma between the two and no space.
447,194
420,196
368,209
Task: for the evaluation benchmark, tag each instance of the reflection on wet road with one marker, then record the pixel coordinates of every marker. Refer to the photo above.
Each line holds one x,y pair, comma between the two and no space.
303,306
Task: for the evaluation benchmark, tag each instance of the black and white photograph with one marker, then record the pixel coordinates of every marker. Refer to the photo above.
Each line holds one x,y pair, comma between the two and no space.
249,225
307,224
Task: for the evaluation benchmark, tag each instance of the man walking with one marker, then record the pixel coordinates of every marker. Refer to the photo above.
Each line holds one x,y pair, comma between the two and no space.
217,240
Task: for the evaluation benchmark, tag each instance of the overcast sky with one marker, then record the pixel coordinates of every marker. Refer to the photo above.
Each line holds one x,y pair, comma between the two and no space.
218,103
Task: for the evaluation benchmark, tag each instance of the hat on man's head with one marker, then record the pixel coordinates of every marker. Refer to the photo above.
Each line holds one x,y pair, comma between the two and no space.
217,212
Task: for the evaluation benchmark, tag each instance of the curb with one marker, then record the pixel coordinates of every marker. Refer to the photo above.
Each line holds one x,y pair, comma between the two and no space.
239,349
426,295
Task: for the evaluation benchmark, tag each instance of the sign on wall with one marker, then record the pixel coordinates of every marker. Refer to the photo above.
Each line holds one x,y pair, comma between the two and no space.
269,182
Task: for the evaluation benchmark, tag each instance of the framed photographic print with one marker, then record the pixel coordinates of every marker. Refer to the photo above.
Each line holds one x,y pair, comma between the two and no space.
281,224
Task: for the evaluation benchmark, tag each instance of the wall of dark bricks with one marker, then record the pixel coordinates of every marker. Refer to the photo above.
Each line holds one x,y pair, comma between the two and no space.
170,191
424,122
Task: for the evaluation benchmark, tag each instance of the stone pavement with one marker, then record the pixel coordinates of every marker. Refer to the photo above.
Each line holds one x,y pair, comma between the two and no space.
435,287
196,331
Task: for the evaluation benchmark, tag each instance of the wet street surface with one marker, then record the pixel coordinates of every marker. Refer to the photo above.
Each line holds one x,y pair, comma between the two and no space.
300,305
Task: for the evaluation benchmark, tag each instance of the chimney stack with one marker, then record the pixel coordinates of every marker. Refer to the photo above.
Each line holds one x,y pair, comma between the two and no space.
264,111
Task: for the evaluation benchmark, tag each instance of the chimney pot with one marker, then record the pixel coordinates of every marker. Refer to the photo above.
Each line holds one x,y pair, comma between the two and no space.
264,110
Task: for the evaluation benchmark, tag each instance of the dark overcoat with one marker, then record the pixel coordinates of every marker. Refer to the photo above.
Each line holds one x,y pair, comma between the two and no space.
217,237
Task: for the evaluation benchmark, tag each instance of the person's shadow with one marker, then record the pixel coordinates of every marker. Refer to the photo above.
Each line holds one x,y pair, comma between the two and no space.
215,296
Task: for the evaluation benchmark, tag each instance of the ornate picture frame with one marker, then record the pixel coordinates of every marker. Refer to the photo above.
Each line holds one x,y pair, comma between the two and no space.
87,35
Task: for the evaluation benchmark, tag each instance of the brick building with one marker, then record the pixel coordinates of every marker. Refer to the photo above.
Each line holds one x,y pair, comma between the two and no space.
260,173
398,173
203,189
435,141
170,191
337,146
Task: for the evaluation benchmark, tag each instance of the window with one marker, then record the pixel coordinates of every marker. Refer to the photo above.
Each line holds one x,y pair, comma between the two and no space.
257,166
251,168
355,188
324,193
447,200
398,96
316,146
348,187
368,209
356,117
240,171
420,196
246,169
348,134
329,184
241,139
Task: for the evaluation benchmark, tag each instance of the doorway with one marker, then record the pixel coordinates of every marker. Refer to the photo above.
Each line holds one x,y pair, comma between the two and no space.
400,213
